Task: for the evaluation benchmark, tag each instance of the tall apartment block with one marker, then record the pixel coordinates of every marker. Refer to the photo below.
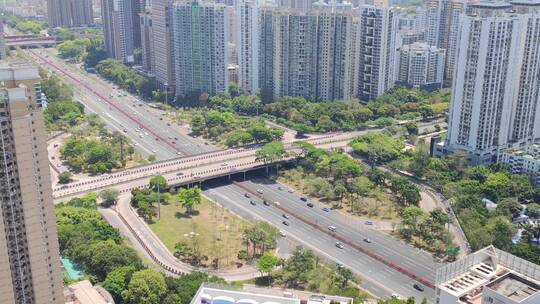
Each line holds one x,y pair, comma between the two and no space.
118,28
70,13
308,54
248,35
443,26
147,43
29,254
200,32
488,276
496,88
163,46
376,51
421,66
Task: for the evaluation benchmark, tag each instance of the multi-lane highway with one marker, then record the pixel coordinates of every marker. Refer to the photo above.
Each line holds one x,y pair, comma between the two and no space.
377,277
121,111
126,112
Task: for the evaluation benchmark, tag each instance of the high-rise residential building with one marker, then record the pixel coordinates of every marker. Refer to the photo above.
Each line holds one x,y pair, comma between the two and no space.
421,66
248,35
200,31
496,88
443,26
70,13
308,54
29,254
121,28
376,51
488,276
147,43
163,47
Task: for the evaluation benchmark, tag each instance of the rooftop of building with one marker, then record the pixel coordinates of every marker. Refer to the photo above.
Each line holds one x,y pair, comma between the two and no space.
217,294
524,152
84,293
17,69
490,268
514,287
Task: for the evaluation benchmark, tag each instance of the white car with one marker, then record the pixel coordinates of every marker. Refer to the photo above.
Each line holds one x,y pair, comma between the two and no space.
259,191
282,233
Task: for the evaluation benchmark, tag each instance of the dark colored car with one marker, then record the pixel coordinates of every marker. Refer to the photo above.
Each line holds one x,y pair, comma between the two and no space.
285,216
252,202
418,287
266,203
286,223
310,205
303,199
247,195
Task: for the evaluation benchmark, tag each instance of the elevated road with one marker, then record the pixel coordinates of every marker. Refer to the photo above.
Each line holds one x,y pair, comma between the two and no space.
192,169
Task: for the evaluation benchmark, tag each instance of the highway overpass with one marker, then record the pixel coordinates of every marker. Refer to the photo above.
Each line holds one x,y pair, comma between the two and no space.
30,41
193,169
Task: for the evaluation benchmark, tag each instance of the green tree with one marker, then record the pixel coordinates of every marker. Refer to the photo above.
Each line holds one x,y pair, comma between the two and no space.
346,276
502,231
267,263
533,210
158,182
64,177
189,198
117,281
410,218
297,267
109,196
145,287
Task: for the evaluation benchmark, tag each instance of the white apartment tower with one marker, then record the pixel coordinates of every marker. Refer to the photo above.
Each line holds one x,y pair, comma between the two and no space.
248,35
376,42
421,66
29,254
200,31
495,96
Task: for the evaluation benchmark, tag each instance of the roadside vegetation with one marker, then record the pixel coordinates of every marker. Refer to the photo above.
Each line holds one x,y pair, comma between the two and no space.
25,25
91,148
305,271
99,250
468,188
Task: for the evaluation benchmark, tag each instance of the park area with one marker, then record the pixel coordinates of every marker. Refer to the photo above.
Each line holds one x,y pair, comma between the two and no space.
211,234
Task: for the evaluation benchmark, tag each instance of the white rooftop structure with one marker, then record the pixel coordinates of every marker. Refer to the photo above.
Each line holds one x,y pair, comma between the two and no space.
489,276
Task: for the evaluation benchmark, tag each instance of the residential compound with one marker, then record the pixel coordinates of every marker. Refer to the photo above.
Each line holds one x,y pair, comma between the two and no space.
524,160
29,254
496,87
488,276
70,13
325,52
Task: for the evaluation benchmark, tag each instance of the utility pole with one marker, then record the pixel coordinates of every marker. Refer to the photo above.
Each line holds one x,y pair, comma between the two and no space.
158,203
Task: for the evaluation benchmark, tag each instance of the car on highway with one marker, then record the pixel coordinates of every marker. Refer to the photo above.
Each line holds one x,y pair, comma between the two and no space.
326,209
367,240
125,131
339,245
282,233
260,191
247,195
253,203
224,165
286,223
285,215
266,203
397,296
280,188
176,138
303,199
310,205
332,228
290,191
179,173
154,151
418,287
368,223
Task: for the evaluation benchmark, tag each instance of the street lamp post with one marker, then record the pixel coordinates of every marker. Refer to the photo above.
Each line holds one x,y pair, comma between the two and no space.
166,84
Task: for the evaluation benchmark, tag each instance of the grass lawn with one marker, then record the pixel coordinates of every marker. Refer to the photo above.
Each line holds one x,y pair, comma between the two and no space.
216,231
